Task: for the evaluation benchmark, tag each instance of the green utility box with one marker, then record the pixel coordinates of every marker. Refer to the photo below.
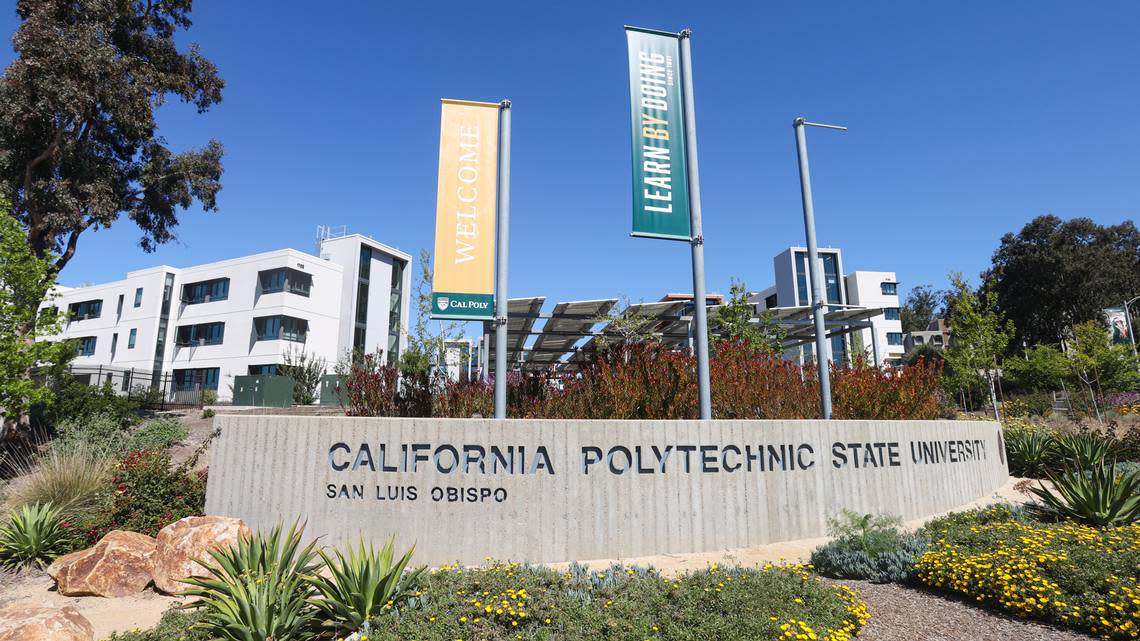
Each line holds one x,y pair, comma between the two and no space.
329,385
263,391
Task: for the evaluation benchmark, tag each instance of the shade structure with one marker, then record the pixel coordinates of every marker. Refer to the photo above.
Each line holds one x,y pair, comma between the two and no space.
567,337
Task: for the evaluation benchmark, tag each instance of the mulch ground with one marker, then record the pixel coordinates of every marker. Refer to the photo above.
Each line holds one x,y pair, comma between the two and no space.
907,614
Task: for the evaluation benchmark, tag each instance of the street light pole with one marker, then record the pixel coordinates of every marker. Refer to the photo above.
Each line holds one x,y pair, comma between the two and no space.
819,304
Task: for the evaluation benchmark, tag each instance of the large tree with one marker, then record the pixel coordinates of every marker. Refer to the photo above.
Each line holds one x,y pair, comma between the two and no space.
919,308
25,279
78,137
1054,274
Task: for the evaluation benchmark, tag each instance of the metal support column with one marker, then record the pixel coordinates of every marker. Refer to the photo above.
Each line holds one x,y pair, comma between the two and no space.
700,311
504,217
818,301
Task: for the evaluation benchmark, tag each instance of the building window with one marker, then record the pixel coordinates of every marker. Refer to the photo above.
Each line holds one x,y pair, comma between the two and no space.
202,334
362,302
206,291
186,380
770,302
114,343
358,340
285,279
287,328
131,338
831,278
889,289
85,310
119,307
263,370
894,338
138,297
397,275
916,339
937,340
86,346
365,261
891,313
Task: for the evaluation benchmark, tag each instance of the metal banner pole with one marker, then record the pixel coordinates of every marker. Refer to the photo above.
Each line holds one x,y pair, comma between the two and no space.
817,301
700,311
504,214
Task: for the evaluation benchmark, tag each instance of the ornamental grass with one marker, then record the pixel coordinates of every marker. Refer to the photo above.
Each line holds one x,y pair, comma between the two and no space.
1064,573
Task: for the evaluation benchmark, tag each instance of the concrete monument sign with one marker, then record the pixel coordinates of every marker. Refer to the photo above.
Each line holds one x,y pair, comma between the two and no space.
544,491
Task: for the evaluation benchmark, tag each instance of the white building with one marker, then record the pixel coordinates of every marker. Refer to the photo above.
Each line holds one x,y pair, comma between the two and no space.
874,290
202,326
878,290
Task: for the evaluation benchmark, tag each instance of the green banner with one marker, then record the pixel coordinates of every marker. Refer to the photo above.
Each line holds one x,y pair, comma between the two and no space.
460,306
660,178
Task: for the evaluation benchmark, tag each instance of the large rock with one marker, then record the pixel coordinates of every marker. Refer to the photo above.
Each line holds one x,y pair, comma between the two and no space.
121,563
30,622
183,541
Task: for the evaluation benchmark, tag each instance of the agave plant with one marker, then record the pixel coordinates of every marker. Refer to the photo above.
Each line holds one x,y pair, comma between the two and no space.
258,590
1084,449
33,536
361,584
1029,451
1100,496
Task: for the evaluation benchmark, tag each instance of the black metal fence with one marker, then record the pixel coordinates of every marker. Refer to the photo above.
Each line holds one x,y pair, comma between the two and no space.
152,390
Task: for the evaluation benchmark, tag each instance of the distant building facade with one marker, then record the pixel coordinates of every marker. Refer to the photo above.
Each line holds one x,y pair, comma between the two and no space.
202,326
885,336
871,289
937,334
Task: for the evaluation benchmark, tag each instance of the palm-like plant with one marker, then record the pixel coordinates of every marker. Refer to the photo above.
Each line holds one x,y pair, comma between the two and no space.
1084,449
361,584
1100,496
258,590
1029,451
33,536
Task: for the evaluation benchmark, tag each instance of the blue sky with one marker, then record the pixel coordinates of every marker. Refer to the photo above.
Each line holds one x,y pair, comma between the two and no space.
967,120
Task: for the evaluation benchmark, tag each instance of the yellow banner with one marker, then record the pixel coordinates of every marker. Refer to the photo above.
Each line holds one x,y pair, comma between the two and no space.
464,279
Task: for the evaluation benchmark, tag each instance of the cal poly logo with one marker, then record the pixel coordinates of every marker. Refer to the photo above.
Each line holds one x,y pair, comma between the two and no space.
443,302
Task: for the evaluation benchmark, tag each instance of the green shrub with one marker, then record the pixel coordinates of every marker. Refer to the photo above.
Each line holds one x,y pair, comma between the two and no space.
148,493
75,400
1098,496
505,602
1026,405
362,584
76,479
868,547
208,413
258,590
156,435
1065,573
33,536
209,397
996,513
176,625
107,432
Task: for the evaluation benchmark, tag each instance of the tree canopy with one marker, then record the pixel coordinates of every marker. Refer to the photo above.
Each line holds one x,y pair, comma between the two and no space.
25,279
1055,274
919,308
78,136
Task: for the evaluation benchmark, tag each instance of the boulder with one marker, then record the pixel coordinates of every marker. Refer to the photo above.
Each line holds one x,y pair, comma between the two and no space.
183,541
30,622
121,563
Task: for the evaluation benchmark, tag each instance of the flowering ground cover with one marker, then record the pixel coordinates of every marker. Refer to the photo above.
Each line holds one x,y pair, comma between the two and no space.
1072,575
507,602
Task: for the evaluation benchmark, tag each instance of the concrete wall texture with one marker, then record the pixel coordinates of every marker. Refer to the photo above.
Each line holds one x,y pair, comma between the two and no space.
547,491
